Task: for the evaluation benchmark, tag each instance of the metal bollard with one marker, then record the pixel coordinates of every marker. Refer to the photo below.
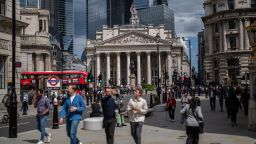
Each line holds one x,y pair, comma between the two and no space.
55,124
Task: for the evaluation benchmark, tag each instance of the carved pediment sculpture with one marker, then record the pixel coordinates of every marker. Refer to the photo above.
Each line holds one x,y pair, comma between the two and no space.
132,39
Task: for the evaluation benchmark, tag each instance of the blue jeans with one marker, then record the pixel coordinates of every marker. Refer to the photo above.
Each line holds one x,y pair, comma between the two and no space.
72,126
41,124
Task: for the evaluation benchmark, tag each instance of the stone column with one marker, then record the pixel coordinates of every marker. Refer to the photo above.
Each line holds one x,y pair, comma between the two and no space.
128,68
224,36
47,62
210,39
160,66
246,39
118,70
179,64
169,59
220,37
148,68
108,68
39,62
241,35
138,69
98,63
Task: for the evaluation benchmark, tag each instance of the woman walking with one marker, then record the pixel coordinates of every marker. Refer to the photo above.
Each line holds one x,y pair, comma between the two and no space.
233,105
192,113
171,105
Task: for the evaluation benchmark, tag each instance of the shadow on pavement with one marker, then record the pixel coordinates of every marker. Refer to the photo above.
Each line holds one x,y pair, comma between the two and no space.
216,122
31,141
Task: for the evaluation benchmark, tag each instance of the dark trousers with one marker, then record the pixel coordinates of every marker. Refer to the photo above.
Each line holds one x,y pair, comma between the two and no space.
233,114
212,103
221,104
25,107
193,135
136,128
171,112
109,126
245,105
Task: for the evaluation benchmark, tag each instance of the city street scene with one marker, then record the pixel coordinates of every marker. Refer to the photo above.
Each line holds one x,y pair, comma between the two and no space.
128,71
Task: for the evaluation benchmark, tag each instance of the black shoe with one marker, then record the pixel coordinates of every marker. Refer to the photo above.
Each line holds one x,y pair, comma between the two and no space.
124,125
118,125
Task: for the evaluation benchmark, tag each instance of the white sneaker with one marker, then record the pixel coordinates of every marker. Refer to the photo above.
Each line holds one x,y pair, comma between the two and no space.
40,142
80,143
49,137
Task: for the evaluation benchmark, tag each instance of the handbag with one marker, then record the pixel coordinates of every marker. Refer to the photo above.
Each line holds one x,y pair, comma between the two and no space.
200,123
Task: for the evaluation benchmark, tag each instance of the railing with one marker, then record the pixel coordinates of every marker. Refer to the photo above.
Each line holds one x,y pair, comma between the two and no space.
40,40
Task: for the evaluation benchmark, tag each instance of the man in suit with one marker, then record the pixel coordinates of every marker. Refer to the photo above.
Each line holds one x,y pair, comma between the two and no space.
72,110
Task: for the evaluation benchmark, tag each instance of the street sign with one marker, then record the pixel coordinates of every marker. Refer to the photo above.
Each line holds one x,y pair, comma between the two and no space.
53,82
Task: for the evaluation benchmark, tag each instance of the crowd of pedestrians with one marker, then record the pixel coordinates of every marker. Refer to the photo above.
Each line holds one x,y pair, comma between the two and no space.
109,104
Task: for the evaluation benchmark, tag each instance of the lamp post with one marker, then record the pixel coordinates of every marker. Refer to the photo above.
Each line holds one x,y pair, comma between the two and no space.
251,31
13,102
189,46
157,39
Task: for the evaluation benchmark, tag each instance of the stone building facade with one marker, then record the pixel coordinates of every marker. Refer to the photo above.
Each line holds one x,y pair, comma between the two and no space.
6,46
36,48
227,47
116,49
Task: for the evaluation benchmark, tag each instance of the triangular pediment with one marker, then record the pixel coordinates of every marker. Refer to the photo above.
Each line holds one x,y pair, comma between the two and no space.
132,38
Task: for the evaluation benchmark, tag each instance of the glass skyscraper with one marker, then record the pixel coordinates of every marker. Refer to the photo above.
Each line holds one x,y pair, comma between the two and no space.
158,14
118,12
141,4
96,16
30,3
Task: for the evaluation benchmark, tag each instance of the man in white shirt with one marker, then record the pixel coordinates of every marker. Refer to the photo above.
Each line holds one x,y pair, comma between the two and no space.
137,108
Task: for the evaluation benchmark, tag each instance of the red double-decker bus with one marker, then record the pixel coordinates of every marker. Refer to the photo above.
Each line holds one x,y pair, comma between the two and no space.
39,79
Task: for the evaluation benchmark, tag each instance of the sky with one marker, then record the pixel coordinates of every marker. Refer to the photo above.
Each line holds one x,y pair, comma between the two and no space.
188,22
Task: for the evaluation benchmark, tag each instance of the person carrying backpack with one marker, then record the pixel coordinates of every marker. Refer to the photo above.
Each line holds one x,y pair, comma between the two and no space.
192,112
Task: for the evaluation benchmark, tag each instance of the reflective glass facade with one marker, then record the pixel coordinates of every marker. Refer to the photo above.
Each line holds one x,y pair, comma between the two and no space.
141,4
159,14
30,3
118,12
96,16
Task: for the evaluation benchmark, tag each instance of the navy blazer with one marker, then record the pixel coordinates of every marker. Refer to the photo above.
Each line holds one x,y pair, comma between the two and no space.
77,102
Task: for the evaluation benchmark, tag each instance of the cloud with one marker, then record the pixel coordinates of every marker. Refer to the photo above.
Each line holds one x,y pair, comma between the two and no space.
188,15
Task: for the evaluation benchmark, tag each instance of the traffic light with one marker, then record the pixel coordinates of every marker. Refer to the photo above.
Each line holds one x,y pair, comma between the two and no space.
185,74
89,77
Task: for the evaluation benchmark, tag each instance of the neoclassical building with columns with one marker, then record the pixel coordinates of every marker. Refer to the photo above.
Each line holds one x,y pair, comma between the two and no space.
114,49
227,47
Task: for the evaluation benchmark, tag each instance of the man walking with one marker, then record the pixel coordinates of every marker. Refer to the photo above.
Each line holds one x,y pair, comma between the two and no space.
72,109
109,121
212,96
137,108
43,106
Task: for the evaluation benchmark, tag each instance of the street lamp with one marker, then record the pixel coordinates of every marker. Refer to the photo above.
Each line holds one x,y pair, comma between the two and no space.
251,31
189,46
12,112
157,39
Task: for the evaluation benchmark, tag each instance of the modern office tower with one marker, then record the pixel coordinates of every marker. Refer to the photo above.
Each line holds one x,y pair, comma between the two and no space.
141,4
118,12
158,14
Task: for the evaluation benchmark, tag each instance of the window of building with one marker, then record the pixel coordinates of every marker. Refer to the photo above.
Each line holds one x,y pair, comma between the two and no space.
253,3
2,73
214,8
231,4
40,25
232,42
2,7
216,45
231,24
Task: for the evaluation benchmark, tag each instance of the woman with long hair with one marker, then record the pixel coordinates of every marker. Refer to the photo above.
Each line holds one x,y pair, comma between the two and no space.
192,113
